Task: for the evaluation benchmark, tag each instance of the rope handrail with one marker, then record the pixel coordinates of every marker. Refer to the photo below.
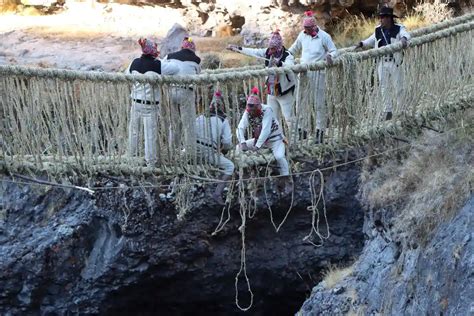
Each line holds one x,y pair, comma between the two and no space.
212,78
415,33
430,29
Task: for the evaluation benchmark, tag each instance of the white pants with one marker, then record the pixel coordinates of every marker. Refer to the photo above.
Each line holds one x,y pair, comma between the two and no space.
148,114
390,84
283,105
211,156
318,89
278,150
183,118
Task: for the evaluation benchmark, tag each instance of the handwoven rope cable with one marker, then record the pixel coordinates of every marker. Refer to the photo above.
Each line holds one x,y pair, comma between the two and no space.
212,78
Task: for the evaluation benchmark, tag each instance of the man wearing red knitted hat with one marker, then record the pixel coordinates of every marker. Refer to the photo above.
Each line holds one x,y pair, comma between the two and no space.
183,97
280,88
146,99
214,139
266,131
315,45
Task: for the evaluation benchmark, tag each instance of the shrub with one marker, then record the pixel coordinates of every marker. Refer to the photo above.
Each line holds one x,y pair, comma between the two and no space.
434,11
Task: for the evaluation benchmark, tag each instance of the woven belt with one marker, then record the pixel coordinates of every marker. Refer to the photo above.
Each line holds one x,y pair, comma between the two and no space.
183,87
206,144
274,136
145,101
388,58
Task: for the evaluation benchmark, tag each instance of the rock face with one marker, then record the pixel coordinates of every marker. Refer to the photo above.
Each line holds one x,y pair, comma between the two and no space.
255,20
436,279
123,251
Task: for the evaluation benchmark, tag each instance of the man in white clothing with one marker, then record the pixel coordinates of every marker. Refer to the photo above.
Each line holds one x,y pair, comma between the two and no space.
213,140
146,99
265,129
183,96
389,72
280,88
315,45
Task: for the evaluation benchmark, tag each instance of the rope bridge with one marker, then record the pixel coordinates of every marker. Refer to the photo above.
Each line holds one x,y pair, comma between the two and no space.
66,122
63,121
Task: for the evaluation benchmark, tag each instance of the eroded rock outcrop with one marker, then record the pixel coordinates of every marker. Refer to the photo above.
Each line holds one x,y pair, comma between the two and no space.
388,279
123,250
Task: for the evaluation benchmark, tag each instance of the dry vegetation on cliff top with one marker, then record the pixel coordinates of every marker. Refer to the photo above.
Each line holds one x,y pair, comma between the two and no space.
429,185
346,33
119,25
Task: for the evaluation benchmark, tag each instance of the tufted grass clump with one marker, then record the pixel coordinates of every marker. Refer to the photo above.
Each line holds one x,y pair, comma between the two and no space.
334,274
427,187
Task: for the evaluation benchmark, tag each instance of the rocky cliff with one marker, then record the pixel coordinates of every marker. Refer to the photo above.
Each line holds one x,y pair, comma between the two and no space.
418,258
388,279
123,251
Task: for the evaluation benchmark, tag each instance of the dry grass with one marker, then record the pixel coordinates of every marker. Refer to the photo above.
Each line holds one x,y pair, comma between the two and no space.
352,30
333,275
214,45
427,187
8,8
346,33
434,11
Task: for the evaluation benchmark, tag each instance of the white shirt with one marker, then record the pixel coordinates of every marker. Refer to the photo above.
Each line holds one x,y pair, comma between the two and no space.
185,67
314,49
266,132
213,131
146,91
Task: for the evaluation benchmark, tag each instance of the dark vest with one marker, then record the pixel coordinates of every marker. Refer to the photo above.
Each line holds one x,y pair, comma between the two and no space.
146,63
283,58
392,32
185,55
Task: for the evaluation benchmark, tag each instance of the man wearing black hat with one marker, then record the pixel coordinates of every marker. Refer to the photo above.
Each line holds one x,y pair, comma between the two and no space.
390,76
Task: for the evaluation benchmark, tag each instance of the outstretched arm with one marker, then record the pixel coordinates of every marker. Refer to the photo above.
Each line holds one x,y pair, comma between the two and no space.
404,36
253,52
368,42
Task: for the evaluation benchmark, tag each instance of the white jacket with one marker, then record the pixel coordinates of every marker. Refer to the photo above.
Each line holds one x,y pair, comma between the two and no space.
313,49
268,124
185,67
213,131
286,80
